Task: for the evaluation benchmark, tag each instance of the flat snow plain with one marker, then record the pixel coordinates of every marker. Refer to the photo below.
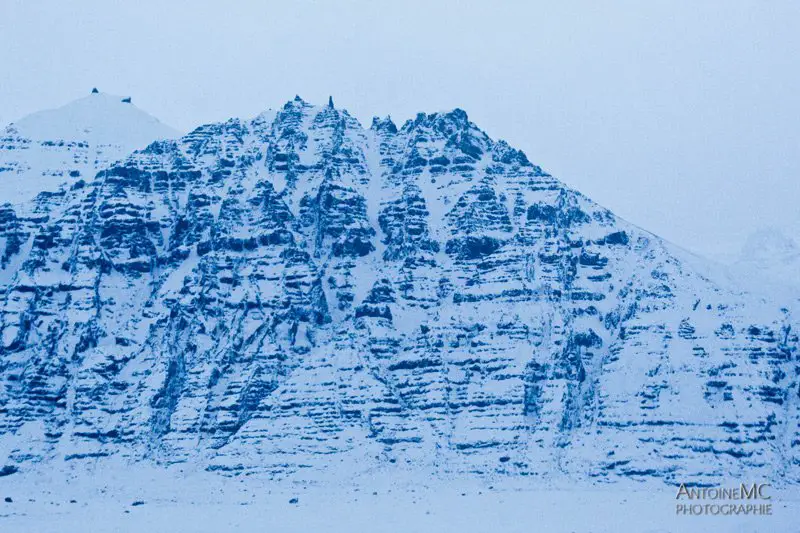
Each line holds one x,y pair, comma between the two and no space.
147,500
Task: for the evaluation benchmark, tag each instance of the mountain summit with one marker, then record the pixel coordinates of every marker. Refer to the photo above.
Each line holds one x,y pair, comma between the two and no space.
295,294
48,149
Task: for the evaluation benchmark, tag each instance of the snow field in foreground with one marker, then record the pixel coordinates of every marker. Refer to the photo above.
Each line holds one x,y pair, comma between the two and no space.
155,502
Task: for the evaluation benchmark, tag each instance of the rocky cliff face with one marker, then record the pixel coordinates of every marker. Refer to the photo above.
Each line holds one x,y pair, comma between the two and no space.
296,292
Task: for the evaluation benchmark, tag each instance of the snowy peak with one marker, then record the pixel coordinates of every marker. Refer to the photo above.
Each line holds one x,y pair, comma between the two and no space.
770,255
384,124
50,149
770,245
446,122
98,118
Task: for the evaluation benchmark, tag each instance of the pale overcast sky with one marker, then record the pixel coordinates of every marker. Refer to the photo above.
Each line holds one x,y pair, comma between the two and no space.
681,116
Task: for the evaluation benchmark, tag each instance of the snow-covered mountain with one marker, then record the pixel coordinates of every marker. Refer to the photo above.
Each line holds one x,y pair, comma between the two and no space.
48,149
771,254
295,294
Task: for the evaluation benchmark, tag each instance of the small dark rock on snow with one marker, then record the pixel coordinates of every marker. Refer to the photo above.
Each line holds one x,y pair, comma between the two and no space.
8,470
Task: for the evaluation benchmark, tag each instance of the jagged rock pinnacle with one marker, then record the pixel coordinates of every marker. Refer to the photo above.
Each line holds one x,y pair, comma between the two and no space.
384,124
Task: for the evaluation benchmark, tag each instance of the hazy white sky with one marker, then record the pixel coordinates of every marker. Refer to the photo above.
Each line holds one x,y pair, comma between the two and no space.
681,116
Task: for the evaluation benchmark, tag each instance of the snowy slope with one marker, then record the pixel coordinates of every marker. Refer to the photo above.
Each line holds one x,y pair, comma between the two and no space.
296,295
48,149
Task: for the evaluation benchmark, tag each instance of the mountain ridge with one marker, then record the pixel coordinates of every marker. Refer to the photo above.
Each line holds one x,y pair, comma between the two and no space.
275,294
